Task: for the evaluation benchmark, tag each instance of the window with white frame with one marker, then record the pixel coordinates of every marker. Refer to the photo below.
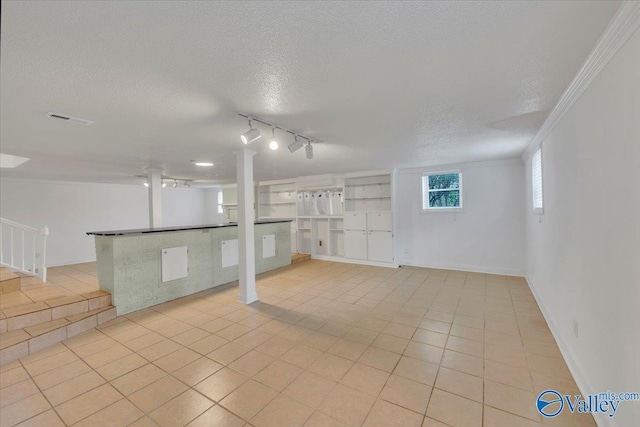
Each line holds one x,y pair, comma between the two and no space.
536,181
442,191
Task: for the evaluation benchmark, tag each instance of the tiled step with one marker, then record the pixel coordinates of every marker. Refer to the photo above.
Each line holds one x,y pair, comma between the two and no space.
36,313
22,342
9,281
296,258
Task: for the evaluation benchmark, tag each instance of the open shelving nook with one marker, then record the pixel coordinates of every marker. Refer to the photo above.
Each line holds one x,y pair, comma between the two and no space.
345,218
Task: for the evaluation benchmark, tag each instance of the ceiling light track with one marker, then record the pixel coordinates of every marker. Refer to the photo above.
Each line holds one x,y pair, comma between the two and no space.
168,180
273,126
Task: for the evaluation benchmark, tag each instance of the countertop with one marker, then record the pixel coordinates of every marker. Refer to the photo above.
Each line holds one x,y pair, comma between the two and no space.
179,228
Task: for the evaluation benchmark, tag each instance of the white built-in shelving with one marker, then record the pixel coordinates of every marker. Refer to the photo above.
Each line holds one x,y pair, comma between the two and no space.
340,218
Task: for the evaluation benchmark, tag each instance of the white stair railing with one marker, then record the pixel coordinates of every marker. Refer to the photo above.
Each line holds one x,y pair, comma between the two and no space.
23,248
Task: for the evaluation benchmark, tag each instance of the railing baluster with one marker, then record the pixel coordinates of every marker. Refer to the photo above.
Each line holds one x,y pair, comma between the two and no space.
22,250
23,239
12,247
33,253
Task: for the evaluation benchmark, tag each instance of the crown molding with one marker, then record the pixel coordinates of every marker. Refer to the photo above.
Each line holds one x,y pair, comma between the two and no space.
625,22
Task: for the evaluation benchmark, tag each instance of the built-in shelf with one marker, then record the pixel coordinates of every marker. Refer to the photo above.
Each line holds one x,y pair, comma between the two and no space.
319,216
367,185
278,203
368,198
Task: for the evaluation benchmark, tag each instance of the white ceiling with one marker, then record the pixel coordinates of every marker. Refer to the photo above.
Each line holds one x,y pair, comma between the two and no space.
384,84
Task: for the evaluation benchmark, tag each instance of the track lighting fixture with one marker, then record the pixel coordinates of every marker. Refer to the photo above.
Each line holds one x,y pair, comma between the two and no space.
309,150
273,144
204,164
251,135
168,180
296,145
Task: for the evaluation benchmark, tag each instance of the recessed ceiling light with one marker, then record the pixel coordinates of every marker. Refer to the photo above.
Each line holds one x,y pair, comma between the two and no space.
203,163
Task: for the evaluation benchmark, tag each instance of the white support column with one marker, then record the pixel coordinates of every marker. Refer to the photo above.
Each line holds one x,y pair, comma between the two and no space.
154,178
246,236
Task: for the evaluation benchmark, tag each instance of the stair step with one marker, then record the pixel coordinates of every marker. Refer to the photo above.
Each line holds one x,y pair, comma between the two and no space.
37,313
296,258
9,281
22,342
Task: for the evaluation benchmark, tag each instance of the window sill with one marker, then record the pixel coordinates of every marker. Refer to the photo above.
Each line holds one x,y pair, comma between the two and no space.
441,211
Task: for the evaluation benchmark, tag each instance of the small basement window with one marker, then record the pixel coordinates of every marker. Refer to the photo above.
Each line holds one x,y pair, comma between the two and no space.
536,181
441,191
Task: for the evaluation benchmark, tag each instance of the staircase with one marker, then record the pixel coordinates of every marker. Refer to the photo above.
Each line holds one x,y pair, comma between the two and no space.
38,315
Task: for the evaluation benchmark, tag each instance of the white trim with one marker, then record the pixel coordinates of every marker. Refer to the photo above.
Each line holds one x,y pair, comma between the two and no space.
470,268
462,166
353,261
625,22
581,380
72,262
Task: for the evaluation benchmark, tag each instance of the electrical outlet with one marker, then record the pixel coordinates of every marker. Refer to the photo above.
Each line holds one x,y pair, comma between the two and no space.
320,243
575,328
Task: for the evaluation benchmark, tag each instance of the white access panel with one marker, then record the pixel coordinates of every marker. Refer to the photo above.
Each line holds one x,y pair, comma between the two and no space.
269,246
380,246
229,251
175,263
379,221
355,244
355,221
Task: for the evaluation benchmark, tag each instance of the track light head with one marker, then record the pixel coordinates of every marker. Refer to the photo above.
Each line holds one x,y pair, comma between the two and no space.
274,143
146,184
309,150
251,135
175,183
296,145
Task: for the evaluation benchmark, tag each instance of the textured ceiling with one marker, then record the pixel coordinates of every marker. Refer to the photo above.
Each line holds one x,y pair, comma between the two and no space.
384,84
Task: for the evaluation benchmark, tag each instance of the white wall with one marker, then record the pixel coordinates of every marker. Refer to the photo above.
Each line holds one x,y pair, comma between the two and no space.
583,258
70,209
488,236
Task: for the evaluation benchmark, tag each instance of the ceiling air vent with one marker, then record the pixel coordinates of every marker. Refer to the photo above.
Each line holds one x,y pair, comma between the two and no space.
68,118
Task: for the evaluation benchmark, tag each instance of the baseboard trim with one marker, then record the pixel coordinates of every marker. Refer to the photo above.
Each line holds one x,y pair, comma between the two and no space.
353,261
71,262
581,380
470,269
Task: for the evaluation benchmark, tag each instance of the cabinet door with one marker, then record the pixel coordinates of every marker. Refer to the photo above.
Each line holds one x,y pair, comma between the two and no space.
379,221
380,246
355,244
355,221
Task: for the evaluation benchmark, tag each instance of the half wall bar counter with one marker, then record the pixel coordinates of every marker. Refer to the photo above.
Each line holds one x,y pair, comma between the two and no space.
145,267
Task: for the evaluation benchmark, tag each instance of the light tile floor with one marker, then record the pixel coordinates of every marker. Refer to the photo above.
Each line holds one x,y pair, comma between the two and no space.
63,281
328,345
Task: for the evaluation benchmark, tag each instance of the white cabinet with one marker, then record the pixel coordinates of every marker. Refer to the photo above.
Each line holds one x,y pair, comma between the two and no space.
379,221
380,246
355,221
355,244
